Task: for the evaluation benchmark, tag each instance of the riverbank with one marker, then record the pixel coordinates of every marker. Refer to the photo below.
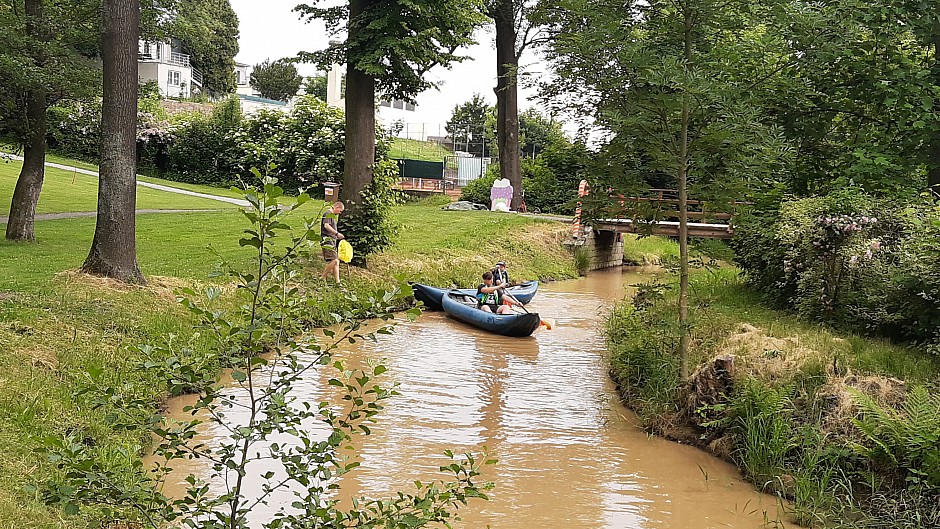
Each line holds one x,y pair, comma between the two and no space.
56,324
840,424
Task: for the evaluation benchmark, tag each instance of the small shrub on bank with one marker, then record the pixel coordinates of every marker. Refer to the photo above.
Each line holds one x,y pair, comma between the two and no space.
478,191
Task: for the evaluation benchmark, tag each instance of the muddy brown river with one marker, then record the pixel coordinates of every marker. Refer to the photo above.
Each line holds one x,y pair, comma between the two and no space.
570,455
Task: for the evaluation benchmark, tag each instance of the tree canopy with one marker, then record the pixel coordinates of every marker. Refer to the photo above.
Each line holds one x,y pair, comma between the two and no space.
469,126
276,80
398,41
209,32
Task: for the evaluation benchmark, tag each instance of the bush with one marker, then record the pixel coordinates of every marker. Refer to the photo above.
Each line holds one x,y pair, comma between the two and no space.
848,259
74,129
371,229
204,150
478,191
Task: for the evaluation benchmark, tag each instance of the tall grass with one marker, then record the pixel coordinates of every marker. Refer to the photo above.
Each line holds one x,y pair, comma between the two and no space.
761,426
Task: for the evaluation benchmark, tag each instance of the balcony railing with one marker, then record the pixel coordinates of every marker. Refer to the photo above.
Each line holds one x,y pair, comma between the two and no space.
148,52
178,59
197,78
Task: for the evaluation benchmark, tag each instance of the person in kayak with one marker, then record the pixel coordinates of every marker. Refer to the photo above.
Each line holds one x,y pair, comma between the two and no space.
500,275
490,297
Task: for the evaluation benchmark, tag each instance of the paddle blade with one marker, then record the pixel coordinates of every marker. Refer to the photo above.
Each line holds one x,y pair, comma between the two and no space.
547,323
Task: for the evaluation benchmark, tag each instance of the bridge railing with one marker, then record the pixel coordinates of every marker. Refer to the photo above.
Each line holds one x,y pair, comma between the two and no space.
663,204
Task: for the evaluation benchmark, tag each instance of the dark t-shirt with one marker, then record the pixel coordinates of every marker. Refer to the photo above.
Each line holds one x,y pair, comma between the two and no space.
500,276
493,298
326,237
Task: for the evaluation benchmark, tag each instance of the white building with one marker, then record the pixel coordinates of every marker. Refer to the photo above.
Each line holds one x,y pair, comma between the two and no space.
165,63
386,112
243,80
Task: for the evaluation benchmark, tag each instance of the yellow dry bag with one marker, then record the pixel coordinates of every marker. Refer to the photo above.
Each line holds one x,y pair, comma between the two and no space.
345,251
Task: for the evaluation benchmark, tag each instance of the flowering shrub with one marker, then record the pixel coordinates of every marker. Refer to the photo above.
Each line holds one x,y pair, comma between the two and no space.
74,129
847,259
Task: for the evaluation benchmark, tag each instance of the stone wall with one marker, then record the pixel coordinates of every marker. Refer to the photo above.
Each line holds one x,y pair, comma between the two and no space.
177,107
605,248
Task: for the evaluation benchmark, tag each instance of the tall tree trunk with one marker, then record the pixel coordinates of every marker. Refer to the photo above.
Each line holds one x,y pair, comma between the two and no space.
114,249
507,98
933,167
29,183
360,120
683,175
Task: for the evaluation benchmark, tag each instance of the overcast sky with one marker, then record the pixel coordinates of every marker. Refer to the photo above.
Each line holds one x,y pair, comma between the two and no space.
271,30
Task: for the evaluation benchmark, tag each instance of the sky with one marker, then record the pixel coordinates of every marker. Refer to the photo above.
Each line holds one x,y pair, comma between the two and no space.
271,30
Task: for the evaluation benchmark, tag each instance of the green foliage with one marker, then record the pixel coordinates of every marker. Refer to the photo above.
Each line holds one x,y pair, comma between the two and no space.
846,258
372,229
478,191
537,133
469,126
316,86
268,312
276,80
675,80
209,32
551,180
305,146
582,260
48,55
204,149
904,442
760,421
74,129
396,42
642,341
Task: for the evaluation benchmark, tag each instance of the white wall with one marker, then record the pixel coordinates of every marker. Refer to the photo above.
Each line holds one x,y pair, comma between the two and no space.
159,72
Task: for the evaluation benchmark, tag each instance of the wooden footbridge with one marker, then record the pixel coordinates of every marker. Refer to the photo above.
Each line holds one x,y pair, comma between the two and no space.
657,213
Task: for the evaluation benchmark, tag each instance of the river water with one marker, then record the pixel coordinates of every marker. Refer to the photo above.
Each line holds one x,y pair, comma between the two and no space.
570,455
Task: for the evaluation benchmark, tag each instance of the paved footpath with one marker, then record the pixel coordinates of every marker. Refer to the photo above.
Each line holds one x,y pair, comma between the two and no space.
80,214
230,200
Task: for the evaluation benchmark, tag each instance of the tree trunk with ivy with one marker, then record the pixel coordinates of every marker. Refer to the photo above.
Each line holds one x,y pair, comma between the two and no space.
114,248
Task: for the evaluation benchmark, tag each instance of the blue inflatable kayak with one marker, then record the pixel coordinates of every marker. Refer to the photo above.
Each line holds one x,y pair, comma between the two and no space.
463,307
432,297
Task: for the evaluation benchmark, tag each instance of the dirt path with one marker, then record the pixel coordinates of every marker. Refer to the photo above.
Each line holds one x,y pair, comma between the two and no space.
80,214
168,189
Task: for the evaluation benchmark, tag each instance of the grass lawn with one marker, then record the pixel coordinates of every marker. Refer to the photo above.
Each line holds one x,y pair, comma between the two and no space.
64,191
418,150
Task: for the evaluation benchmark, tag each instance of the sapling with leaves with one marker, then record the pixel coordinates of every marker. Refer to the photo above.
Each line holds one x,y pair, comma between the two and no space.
302,448
667,82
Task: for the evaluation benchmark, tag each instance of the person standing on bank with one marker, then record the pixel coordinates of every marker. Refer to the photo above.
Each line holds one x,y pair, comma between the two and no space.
329,239
500,275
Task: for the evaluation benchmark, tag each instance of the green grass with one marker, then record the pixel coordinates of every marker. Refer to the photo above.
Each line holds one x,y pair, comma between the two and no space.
418,150
167,245
65,191
464,244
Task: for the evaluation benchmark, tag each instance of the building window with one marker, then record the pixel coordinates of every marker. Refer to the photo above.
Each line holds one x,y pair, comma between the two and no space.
398,103
409,107
384,103
173,79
